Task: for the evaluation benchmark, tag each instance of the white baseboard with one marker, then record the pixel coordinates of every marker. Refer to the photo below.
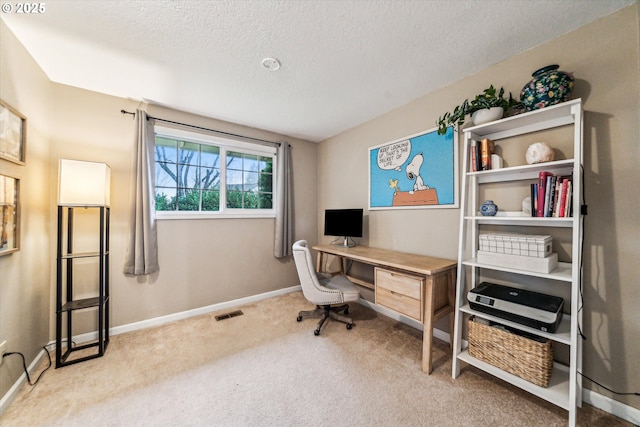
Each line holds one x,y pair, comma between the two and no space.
590,397
198,311
620,410
12,393
157,321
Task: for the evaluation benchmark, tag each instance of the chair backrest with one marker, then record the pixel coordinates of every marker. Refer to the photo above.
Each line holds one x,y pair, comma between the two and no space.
311,287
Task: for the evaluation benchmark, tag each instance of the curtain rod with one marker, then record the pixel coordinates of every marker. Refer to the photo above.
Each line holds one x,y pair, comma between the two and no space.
263,141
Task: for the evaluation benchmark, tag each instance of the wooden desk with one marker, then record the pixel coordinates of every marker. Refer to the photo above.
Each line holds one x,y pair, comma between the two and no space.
418,286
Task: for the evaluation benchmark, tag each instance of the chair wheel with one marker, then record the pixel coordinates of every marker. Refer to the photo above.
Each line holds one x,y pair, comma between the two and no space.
316,332
299,318
349,326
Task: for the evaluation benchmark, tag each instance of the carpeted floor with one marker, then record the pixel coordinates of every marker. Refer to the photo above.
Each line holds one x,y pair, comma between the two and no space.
265,369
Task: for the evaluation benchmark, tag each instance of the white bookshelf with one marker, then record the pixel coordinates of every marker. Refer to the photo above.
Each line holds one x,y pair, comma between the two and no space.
565,387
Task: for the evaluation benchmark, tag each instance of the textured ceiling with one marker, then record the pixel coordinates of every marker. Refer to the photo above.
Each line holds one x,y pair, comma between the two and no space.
343,62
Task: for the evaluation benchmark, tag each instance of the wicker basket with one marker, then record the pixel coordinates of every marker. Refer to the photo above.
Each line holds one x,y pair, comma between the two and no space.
530,360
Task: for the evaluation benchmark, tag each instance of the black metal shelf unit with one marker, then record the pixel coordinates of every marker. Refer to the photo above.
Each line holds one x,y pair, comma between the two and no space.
65,303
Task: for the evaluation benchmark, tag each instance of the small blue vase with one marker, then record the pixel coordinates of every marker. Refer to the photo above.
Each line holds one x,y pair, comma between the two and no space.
548,87
488,208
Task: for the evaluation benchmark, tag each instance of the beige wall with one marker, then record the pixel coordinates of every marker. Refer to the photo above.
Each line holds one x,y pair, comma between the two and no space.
604,57
24,275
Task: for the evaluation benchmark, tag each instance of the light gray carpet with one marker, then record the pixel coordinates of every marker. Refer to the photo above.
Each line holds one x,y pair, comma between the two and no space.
266,369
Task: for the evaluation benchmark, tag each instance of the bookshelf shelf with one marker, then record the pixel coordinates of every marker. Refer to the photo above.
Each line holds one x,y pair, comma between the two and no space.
562,273
522,220
557,392
562,335
524,172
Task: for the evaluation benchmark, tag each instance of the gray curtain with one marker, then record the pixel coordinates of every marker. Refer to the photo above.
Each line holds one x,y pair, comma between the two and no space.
142,251
284,203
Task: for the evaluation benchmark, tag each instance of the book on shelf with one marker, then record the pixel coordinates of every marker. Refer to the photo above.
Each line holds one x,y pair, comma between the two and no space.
551,196
564,196
534,199
556,198
480,155
565,208
542,185
473,162
486,149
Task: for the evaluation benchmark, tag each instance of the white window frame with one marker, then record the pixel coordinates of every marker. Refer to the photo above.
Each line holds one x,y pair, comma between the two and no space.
225,144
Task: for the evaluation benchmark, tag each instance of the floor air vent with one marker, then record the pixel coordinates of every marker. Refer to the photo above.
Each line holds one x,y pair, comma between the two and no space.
229,315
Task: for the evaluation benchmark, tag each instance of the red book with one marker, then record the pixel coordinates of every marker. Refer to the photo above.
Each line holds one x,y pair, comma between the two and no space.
563,197
542,184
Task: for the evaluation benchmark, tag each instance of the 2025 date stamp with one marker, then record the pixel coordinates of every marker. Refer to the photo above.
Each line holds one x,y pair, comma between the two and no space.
24,8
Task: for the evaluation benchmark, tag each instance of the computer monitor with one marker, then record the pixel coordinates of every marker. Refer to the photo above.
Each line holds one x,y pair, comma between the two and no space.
346,223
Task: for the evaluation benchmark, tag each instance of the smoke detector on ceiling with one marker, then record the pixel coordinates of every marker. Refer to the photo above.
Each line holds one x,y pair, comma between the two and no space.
271,64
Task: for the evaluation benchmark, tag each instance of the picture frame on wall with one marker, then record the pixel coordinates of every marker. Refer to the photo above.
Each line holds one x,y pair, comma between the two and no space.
13,128
415,172
9,214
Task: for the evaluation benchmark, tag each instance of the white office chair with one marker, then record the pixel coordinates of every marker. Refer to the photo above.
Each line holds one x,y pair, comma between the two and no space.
323,290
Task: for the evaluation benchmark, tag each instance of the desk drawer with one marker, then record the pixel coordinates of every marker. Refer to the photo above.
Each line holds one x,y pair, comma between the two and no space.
400,283
401,303
399,292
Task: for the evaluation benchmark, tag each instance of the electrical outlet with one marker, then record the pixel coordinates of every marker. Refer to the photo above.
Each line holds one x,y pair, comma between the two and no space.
3,349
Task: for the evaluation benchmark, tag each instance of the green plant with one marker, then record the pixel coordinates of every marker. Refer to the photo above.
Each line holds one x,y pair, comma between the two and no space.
487,99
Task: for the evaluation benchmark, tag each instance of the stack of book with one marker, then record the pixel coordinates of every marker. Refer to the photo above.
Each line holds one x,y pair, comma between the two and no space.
552,196
480,152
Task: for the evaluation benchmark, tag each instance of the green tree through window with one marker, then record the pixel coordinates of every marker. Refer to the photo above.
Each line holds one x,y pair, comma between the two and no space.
249,181
188,177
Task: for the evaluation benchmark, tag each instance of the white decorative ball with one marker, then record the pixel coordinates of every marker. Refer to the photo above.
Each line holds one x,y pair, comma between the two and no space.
539,152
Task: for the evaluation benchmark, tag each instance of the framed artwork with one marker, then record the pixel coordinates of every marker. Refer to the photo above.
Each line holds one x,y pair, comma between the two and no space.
418,171
9,214
13,127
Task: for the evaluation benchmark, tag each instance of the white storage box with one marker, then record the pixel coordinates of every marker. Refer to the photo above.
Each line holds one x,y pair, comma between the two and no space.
516,244
520,262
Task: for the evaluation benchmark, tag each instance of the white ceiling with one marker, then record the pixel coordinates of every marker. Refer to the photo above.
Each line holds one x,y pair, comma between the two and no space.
343,62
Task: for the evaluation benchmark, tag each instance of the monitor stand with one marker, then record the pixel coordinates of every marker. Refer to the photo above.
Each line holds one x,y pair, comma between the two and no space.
346,242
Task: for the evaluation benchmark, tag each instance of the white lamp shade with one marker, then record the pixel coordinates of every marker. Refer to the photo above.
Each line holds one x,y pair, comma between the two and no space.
83,183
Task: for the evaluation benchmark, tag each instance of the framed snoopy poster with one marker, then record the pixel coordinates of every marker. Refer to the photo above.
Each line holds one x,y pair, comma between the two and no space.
418,171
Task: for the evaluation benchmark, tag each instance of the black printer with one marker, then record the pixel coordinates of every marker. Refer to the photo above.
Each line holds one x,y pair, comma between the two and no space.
528,308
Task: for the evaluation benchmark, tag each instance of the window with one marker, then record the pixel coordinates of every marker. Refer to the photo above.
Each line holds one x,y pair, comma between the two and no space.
199,175
249,181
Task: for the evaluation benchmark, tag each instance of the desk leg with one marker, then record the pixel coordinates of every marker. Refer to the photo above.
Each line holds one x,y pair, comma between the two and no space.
320,263
319,258
427,334
452,304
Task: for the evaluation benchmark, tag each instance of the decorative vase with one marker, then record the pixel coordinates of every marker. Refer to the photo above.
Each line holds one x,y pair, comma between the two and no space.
548,87
487,115
488,208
